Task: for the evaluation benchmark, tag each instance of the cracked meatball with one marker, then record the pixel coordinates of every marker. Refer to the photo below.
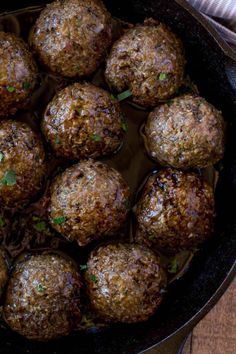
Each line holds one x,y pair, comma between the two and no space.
43,297
71,37
22,163
175,211
124,282
18,74
188,132
148,60
89,201
83,121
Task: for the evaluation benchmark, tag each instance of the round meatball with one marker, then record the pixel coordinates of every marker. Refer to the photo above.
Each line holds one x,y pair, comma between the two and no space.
124,282
175,211
83,121
88,201
3,272
22,163
71,37
186,132
148,60
18,74
43,297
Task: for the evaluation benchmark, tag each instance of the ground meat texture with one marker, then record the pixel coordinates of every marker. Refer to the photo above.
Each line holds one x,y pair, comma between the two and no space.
124,282
43,297
71,37
22,163
88,201
175,211
83,121
187,132
18,74
3,272
148,60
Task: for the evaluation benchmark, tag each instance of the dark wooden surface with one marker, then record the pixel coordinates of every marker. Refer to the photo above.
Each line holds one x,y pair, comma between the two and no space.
216,333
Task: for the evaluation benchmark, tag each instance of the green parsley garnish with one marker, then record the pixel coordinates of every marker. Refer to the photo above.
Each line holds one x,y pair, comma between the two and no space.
57,140
10,88
40,226
173,266
59,220
9,178
113,97
169,103
96,137
124,126
127,204
40,288
123,95
83,267
162,76
1,156
2,221
93,278
151,237
26,85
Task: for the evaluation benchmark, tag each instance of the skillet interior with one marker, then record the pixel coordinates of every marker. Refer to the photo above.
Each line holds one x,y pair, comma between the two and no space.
186,297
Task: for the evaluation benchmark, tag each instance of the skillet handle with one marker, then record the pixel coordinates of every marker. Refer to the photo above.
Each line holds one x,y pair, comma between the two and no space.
230,69
173,345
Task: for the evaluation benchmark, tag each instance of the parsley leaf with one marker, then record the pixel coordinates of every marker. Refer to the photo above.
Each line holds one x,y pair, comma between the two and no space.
2,221
96,137
162,76
1,156
57,140
173,266
26,85
59,220
123,95
40,288
83,267
10,88
93,278
9,178
40,226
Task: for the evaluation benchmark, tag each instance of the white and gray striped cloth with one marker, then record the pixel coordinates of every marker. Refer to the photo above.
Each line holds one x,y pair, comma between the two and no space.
221,14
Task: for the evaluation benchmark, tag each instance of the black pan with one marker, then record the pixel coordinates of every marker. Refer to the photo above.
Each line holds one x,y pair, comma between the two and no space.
212,65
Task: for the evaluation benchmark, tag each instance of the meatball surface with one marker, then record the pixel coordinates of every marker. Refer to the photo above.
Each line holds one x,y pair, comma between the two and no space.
43,297
71,37
83,121
187,132
148,60
18,74
124,282
3,272
88,201
175,211
22,163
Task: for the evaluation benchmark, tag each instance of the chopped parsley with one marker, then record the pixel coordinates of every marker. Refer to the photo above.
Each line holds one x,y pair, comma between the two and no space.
40,288
26,85
1,156
113,97
151,237
123,95
96,137
59,220
57,140
2,221
127,203
83,267
40,226
169,103
9,178
10,88
124,125
93,278
162,76
173,266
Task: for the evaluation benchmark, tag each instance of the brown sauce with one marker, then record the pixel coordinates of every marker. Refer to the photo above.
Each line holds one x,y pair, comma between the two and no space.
28,230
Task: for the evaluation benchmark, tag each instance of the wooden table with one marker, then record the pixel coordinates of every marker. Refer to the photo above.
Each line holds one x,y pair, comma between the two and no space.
216,333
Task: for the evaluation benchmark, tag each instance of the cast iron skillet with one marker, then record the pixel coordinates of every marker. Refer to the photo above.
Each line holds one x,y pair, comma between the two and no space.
212,65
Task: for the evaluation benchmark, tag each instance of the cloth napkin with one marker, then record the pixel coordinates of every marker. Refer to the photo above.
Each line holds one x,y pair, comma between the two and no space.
221,14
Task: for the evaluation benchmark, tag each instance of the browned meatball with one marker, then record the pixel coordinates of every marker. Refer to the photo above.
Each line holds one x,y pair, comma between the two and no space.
83,121
43,297
22,163
88,201
71,37
175,211
18,74
186,132
124,282
148,60
3,272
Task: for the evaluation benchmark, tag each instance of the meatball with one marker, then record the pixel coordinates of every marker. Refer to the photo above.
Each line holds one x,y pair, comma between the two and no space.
71,37
43,297
88,201
175,211
18,74
22,163
3,272
83,121
124,282
148,60
186,132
